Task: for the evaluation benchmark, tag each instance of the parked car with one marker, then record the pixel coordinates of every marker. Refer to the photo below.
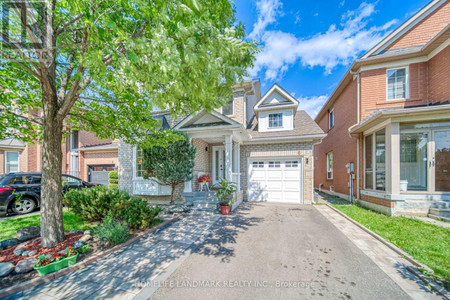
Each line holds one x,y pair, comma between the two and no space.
21,192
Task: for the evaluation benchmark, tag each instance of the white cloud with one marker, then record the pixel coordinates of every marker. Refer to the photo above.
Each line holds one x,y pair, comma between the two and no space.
337,46
312,105
268,10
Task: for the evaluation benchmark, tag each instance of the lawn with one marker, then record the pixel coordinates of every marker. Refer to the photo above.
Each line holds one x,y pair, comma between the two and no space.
8,228
427,243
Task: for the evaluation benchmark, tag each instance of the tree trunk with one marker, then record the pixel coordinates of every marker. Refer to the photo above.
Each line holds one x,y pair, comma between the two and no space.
172,194
52,229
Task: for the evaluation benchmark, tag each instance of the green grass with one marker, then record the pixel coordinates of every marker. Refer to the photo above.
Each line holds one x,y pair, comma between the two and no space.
427,243
8,228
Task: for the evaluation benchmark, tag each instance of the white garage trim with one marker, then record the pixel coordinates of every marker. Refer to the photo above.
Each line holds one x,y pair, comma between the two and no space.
275,179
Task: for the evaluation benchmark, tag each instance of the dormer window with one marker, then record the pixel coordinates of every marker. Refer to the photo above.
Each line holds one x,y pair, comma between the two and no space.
227,109
276,120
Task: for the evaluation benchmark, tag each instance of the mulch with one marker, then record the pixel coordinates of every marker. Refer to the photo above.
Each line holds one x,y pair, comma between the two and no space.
7,255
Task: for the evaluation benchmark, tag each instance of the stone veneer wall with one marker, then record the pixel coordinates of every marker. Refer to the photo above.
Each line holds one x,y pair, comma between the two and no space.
280,150
202,161
126,177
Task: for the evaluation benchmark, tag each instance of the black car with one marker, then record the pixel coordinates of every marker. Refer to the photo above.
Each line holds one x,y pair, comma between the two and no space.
21,192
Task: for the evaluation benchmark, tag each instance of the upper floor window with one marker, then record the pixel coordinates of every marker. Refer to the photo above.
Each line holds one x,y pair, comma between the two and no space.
397,84
330,165
74,140
275,120
227,109
330,118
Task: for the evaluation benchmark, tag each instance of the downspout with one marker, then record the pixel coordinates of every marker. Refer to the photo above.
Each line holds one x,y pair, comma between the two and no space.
358,119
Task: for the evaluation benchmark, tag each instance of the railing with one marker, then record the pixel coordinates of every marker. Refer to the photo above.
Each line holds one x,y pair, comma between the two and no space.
236,178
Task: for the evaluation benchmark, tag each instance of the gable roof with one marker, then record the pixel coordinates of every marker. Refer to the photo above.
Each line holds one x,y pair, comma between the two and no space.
271,100
405,27
205,119
12,143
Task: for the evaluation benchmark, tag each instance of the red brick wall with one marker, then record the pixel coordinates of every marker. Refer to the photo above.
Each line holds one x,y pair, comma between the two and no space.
338,141
425,30
373,89
88,138
439,76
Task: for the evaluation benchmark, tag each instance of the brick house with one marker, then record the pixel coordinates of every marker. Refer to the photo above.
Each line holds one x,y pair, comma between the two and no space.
263,144
388,121
84,156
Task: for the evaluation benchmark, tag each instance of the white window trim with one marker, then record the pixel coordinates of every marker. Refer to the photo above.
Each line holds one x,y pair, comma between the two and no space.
331,111
328,165
279,114
18,160
134,165
407,83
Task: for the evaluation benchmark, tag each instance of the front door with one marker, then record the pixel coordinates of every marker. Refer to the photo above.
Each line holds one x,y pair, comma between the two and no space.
218,163
441,163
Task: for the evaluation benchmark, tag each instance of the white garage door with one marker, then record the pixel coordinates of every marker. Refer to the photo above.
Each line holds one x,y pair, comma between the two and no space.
275,180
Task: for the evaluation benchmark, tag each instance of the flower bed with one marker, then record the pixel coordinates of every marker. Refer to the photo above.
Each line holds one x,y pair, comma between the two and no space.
56,262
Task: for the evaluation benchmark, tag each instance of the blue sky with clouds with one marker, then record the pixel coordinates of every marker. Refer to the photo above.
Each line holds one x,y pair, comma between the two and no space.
308,45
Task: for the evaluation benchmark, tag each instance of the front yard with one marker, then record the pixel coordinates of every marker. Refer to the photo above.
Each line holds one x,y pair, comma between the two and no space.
8,228
427,243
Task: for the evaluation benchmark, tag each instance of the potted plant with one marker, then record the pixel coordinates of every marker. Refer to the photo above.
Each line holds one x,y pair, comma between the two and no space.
57,262
203,181
225,195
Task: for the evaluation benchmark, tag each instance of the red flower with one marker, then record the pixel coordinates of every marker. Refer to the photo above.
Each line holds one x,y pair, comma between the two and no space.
45,264
55,255
61,254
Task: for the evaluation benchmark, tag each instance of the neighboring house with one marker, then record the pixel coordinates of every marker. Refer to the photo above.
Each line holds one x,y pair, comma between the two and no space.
84,156
390,118
264,145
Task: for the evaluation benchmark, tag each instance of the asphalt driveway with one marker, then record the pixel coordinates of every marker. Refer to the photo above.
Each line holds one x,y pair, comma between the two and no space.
273,251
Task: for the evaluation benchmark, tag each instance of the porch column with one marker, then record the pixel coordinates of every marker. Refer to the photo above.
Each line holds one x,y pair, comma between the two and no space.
237,164
393,158
228,157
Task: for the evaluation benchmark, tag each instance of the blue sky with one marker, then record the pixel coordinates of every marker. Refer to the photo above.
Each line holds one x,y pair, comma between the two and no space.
308,45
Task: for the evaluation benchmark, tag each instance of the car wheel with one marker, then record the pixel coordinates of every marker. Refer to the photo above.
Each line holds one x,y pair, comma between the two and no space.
23,206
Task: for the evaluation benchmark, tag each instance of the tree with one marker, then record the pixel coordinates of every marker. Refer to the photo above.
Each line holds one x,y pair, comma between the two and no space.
170,165
102,65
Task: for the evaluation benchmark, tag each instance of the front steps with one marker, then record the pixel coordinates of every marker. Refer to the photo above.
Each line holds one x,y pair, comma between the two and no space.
440,210
202,200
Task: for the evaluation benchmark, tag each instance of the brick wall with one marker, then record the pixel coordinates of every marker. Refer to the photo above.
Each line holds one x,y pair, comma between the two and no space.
439,76
338,142
425,30
378,201
279,150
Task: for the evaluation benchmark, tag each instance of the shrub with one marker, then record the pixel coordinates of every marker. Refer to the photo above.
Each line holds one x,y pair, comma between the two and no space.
115,231
85,249
113,180
96,203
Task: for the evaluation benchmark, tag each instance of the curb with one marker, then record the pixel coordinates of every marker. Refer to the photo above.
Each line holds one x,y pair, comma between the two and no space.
434,286
81,265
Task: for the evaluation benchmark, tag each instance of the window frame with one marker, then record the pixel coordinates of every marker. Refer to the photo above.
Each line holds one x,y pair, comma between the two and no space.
280,120
406,85
135,164
328,165
331,113
18,161
374,162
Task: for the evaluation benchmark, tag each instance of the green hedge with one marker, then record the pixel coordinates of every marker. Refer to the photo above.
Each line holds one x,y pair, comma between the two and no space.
113,180
94,204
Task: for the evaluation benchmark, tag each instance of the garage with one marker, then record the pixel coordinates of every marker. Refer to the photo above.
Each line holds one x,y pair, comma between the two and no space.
275,180
100,174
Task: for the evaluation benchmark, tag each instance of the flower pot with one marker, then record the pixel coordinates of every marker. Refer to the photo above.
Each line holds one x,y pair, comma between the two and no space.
57,265
224,209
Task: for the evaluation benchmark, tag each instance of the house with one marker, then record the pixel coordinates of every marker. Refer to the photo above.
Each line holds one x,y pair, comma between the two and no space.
84,156
388,122
263,144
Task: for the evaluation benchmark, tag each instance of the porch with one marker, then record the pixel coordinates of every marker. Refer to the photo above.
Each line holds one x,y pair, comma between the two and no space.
406,161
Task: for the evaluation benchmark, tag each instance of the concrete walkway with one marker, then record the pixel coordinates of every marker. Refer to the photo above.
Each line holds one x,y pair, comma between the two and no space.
392,263
129,272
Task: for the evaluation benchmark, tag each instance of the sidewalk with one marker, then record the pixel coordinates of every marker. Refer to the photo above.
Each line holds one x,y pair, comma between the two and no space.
130,272
385,258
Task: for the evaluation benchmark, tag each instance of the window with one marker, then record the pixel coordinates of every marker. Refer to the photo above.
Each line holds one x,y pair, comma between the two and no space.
227,109
70,180
74,140
139,170
330,119
258,164
330,165
375,161
291,164
368,161
397,84
275,120
274,164
11,162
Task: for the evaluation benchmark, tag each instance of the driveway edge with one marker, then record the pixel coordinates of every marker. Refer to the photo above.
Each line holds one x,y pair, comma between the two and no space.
434,285
52,276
